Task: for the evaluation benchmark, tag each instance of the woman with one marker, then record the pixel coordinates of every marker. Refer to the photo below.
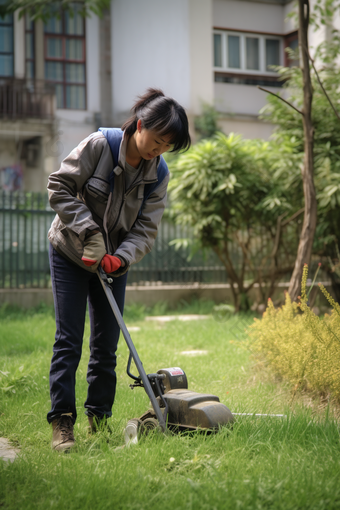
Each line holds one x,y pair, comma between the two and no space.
109,195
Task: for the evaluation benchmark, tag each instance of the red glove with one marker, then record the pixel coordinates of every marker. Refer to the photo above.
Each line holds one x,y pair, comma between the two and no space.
110,264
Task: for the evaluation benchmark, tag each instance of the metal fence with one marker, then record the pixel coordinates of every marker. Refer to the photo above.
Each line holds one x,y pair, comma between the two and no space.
26,98
25,219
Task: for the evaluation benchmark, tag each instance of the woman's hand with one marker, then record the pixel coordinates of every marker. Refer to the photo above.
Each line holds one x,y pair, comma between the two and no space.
95,253
94,250
110,263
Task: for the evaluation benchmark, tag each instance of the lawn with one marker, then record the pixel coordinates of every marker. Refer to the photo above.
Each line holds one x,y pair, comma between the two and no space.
290,463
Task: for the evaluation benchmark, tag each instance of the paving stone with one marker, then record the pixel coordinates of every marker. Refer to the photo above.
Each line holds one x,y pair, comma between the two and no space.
194,353
167,318
7,452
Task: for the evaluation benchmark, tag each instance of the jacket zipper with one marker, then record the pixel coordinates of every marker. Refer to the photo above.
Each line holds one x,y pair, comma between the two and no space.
133,186
118,216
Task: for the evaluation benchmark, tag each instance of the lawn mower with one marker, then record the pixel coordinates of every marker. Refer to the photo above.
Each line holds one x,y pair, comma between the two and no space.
174,406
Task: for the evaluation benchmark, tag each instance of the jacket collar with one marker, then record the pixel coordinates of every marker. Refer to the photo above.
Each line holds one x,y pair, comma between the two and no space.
149,167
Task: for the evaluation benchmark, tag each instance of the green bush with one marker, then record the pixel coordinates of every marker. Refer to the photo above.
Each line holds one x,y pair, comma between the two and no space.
224,188
300,346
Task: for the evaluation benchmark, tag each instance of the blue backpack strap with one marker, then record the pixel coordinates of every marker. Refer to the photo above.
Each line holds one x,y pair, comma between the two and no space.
114,137
162,172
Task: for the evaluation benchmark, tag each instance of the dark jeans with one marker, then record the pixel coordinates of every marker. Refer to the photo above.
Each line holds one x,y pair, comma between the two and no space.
72,286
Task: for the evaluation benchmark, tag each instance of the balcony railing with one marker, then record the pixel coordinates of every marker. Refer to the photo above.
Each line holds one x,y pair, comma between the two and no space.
22,99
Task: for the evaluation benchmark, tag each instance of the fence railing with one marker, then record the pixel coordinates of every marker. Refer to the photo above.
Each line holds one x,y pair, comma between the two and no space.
26,98
26,218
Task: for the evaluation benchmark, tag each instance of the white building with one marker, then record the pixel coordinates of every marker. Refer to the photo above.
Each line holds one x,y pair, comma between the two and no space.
61,81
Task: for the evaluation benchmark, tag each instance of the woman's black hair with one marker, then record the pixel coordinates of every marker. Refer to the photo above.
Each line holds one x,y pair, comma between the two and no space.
163,115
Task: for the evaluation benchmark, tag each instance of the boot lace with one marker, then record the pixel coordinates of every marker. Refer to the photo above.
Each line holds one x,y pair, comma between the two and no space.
65,426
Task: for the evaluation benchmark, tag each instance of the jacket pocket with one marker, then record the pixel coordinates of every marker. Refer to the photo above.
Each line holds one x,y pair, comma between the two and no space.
68,245
98,189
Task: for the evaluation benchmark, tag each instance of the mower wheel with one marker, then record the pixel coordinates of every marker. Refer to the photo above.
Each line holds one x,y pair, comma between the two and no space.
148,425
132,431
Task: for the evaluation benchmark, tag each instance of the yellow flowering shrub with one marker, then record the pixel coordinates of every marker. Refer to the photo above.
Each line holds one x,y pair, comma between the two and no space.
300,346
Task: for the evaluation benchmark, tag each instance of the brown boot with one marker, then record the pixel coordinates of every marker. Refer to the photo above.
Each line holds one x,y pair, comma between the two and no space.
62,438
96,424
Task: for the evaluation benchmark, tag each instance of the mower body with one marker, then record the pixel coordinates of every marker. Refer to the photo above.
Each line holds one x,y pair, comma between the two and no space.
188,409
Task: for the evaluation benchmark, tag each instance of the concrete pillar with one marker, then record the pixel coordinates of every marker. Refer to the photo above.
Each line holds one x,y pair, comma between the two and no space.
201,75
39,50
93,56
19,46
105,69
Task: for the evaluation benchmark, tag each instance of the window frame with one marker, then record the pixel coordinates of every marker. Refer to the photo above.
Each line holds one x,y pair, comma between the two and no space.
262,71
288,39
29,30
64,36
12,53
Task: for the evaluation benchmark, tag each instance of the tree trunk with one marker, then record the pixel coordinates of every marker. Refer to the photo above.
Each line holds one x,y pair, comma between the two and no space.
309,222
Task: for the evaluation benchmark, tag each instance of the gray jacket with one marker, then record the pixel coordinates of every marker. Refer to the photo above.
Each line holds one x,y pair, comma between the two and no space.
79,192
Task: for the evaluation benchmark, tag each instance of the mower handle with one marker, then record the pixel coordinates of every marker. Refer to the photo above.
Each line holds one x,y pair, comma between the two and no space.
105,281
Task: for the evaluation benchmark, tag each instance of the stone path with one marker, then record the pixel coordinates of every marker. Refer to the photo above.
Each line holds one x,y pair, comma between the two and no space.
167,318
196,352
7,452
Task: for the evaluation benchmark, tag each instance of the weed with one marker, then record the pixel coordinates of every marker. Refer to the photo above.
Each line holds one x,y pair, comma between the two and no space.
300,346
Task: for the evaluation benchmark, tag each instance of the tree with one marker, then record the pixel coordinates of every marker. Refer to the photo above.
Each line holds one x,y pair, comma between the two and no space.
326,142
324,12
44,9
225,189
235,192
309,221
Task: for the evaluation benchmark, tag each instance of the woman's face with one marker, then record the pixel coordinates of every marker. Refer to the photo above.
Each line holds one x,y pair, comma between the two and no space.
149,143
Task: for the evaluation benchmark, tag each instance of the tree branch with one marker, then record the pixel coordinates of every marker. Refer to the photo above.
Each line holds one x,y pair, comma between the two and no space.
279,97
45,9
322,87
277,236
295,215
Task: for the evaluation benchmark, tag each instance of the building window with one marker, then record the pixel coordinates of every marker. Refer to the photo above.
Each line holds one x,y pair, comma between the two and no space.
217,50
65,59
6,46
234,52
247,53
29,48
252,53
292,42
272,53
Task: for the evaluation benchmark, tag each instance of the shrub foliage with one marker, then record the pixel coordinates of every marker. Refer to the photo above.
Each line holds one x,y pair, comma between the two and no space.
225,189
300,346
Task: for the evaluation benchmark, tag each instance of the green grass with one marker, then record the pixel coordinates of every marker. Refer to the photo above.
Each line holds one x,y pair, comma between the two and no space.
264,463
